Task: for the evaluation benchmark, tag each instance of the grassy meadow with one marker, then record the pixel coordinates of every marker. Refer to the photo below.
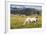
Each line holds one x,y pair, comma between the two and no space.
16,22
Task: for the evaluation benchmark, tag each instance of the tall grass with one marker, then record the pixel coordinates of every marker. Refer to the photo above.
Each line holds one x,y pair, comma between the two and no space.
17,22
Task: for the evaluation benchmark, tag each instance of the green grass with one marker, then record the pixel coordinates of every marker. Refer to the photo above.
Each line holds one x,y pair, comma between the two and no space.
17,22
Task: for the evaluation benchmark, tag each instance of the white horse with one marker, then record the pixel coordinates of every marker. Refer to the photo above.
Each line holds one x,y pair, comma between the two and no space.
30,20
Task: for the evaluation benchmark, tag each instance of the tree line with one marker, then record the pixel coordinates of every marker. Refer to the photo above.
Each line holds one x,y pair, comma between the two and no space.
25,11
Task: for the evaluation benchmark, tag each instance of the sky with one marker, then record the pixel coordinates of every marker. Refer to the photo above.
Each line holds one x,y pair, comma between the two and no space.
26,6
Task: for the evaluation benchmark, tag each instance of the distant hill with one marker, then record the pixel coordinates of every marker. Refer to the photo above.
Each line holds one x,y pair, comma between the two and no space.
26,11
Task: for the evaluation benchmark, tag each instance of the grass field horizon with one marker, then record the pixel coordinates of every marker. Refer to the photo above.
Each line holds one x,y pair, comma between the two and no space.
16,22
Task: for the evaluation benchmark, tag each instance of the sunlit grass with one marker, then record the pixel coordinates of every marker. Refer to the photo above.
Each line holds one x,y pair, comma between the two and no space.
17,22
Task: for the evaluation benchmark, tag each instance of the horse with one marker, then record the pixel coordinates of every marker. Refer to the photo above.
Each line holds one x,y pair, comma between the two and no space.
30,20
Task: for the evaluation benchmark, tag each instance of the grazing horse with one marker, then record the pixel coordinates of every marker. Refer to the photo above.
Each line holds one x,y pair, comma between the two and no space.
30,20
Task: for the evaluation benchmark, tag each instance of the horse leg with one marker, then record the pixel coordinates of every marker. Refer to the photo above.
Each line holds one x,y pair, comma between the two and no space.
24,23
